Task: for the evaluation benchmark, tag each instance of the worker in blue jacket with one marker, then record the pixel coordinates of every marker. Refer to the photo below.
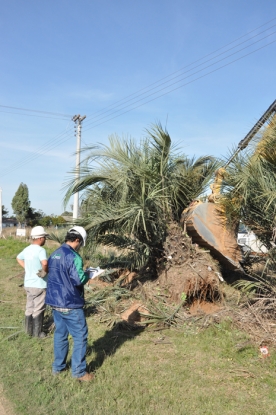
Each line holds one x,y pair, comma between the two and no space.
65,294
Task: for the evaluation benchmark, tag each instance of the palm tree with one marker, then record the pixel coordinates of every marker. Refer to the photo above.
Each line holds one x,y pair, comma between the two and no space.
249,188
133,190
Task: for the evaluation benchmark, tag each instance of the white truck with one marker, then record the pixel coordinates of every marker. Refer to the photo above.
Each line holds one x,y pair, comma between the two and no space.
248,241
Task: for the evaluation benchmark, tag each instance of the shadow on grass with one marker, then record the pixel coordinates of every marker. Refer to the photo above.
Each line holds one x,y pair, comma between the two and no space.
105,346
110,342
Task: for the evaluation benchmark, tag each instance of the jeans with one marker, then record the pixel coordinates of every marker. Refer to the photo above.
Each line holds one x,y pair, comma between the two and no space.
72,322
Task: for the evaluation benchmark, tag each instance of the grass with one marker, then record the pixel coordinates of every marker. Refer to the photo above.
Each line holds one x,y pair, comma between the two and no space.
10,247
184,371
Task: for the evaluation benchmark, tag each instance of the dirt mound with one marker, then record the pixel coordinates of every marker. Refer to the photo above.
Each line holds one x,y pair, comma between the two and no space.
186,276
188,270
204,307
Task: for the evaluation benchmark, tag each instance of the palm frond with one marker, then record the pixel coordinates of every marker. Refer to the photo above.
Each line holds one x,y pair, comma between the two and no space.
131,190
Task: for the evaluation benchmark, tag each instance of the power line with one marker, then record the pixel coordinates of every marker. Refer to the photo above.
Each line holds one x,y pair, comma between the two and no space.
36,155
181,70
115,105
63,139
60,139
57,140
32,115
168,76
42,112
158,82
181,79
181,86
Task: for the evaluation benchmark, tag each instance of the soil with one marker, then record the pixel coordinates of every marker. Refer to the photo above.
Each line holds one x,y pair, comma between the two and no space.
204,307
188,270
5,407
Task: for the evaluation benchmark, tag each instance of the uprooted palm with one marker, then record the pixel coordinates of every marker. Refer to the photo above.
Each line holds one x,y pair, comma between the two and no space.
133,190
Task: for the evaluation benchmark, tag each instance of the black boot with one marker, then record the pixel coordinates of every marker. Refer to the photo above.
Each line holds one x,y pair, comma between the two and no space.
29,325
37,326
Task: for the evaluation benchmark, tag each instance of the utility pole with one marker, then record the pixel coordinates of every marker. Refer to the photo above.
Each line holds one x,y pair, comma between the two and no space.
77,120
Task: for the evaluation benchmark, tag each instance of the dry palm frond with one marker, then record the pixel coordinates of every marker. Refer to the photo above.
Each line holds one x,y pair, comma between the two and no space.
161,313
262,287
99,296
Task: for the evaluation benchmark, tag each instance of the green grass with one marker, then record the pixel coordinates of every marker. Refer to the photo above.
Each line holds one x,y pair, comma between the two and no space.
191,372
10,247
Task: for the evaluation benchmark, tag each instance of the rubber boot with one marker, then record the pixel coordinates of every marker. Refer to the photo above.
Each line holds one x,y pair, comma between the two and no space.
37,326
29,325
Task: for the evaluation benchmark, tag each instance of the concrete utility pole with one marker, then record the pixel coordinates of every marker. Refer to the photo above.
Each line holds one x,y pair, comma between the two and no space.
77,120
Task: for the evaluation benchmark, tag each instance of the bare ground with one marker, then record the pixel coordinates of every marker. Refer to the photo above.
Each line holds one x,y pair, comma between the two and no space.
5,406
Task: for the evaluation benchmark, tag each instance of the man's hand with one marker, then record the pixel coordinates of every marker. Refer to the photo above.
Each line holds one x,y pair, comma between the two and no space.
41,273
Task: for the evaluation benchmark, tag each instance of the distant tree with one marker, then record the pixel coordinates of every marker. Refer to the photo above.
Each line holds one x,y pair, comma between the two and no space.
20,203
52,220
5,212
45,221
66,213
34,216
58,220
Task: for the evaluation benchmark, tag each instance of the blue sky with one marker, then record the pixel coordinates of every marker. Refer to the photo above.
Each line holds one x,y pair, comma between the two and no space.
80,57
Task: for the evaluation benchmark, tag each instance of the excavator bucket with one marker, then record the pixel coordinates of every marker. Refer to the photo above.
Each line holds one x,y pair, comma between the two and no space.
206,225
206,222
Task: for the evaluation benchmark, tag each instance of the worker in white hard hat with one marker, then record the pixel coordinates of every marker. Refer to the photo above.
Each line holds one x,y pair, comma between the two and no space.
32,259
65,294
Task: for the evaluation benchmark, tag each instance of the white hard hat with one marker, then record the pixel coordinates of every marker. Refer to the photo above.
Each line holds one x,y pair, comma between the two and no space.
38,232
81,231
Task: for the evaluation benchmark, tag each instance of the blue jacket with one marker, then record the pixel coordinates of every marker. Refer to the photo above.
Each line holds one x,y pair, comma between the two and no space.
65,279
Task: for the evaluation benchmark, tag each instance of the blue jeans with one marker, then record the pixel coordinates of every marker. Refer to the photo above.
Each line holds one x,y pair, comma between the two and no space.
72,322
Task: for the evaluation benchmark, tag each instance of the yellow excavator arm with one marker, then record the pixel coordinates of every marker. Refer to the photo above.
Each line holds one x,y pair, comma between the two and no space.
206,222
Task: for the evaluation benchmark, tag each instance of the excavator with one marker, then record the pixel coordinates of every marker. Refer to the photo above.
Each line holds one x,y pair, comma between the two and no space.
206,223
